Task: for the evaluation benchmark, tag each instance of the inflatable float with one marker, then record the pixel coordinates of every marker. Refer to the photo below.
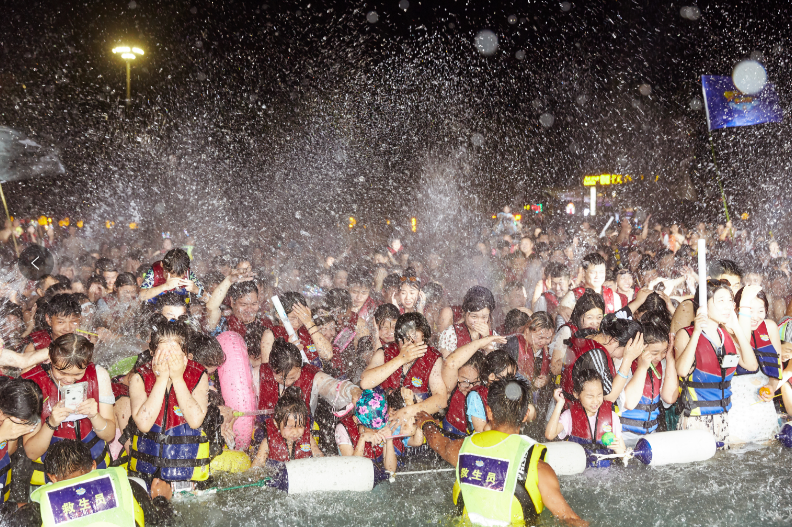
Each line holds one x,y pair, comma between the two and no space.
236,385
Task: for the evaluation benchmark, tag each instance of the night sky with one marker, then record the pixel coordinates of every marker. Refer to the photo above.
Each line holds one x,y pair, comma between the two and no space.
246,113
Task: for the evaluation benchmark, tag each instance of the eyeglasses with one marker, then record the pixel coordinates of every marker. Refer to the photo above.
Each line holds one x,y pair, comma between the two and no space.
469,383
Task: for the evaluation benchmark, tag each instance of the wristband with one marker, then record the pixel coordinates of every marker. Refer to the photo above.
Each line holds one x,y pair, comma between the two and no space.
623,376
432,421
744,314
103,429
53,428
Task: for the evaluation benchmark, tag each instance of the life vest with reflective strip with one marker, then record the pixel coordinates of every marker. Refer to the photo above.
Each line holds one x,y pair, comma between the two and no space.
643,418
768,357
41,339
171,450
526,364
581,347
581,427
707,391
279,448
5,472
309,348
417,376
81,430
269,389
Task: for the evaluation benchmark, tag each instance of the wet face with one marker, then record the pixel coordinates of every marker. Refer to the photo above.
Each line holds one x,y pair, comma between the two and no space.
63,324
95,292
758,313
408,295
245,307
359,294
560,285
753,279
291,430
526,246
657,351
416,337
624,282
127,294
244,266
721,306
735,283
592,318
68,375
386,330
110,278
173,312
328,330
467,378
541,338
477,317
289,378
516,298
340,279
591,396
595,276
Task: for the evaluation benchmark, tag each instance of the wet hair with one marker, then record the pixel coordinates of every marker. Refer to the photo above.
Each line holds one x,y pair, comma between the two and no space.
43,281
512,286
213,277
587,301
620,329
338,300
395,400
541,320
240,289
497,361
125,279
556,270
21,399
284,357
290,298
433,292
95,280
71,351
141,271
392,280
420,322
713,286
509,399
386,312
206,350
162,328
592,259
291,403
176,262
171,298
581,377
55,289
760,295
718,268
104,264
478,298
653,302
359,276
655,330
67,457
656,317
62,280
63,305
477,361
515,319
253,335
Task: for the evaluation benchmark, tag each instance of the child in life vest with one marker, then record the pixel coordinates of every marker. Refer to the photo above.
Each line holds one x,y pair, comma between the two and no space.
288,433
172,273
367,433
497,365
589,418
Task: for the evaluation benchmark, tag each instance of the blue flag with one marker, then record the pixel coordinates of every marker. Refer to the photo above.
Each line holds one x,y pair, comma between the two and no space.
727,106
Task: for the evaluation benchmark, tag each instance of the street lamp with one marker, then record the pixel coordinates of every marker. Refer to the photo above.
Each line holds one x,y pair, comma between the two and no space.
128,54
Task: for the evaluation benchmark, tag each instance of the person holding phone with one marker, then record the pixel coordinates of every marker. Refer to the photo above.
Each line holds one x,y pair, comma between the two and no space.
78,403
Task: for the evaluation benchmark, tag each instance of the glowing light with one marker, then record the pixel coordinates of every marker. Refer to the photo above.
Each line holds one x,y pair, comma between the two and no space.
744,216
387,222
80,224
133,225
137,51
570,208
66,222
518,217
109,224
494,216
122,49
414,224
128,56
352,222
42,220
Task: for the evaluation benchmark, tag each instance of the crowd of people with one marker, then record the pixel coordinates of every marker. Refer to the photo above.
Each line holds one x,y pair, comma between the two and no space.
528,334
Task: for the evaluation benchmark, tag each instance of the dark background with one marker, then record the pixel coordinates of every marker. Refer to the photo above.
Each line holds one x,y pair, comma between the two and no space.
256,118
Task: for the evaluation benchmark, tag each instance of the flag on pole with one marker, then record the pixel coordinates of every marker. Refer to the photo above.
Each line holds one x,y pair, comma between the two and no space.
727,106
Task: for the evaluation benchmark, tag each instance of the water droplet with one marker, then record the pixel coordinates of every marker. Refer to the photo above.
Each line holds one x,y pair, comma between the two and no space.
132,4
566,6
486,42
520,55
477,139
194,10
404,5
749,76
645,89
690,12
537,104
547,120
512,19
372,17
696,104
757,55
201,76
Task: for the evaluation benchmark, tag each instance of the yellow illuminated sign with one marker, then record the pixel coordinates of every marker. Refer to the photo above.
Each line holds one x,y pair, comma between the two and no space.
610,179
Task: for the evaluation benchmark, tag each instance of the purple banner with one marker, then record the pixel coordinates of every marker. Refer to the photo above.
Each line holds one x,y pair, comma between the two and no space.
485,472
82,499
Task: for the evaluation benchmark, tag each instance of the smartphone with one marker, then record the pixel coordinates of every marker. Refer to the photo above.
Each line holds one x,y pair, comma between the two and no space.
73,395
730,361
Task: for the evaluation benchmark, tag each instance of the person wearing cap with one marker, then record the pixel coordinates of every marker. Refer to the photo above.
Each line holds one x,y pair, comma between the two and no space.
501,476
367,433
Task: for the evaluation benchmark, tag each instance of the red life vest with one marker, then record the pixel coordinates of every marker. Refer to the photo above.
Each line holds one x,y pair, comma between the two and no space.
608,295
456,416
581,347
279,449
305,339
581,428
525,360
174,417
458,315
41,339
49,388
463,334
119,389
368,309
159,274
552,303
417,376
371,452
269,388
